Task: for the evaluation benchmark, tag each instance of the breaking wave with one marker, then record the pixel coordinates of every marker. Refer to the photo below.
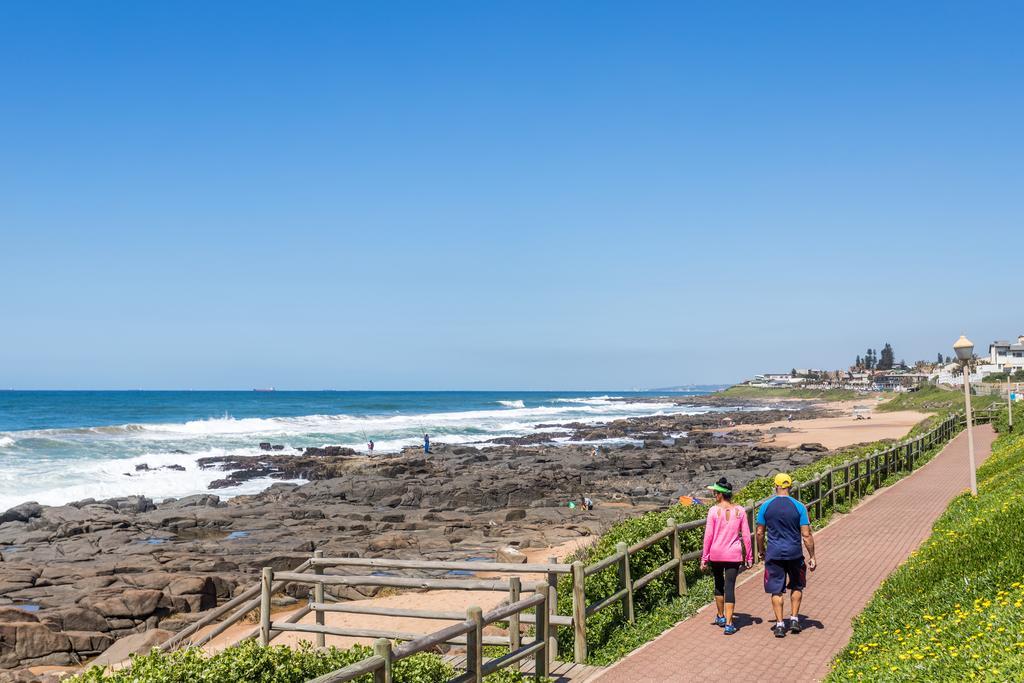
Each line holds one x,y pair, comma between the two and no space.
512,404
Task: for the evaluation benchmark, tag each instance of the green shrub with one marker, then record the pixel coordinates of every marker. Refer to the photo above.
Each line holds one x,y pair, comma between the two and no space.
1001,421
953,611
249,662
602,625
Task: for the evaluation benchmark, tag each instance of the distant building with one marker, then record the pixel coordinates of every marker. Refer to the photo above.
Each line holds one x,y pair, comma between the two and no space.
776,379
1005,354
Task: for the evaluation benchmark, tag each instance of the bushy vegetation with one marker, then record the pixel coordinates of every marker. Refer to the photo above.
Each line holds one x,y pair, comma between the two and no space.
1002,420
954,610
747,391
602,627
250,662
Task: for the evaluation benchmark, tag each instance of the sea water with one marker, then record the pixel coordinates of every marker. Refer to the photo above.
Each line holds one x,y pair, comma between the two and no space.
62,446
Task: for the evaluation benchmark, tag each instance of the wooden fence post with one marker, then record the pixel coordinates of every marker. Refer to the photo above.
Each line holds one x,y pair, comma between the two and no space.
382,648
625,581
831,491
677,554
552,611
846,474
514,636
475,642
542,657
817,497
266,583
318,597
579,613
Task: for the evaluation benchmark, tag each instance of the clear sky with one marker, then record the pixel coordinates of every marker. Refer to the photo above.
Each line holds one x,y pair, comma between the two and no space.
448,195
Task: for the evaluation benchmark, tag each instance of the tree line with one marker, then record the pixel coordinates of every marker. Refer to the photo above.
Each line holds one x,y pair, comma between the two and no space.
875,360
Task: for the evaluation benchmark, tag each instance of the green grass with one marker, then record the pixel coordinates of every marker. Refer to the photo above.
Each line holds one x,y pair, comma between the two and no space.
953,611
744,391
932,399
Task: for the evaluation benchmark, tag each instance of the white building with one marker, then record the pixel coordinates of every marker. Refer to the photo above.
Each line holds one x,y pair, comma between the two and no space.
1005,354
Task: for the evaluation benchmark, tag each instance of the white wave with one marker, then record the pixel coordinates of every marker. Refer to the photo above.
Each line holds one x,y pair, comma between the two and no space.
55,466
591,400
512,404
115,477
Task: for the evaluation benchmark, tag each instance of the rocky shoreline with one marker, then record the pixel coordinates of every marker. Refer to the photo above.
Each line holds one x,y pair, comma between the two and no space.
76,577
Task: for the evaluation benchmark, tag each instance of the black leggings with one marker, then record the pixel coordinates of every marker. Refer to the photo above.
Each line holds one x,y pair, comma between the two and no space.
725,579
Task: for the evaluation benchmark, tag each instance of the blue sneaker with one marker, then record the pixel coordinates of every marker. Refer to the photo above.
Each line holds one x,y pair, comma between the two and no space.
730,629
719,621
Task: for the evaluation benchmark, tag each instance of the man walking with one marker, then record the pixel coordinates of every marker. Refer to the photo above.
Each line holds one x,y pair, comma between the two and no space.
786,522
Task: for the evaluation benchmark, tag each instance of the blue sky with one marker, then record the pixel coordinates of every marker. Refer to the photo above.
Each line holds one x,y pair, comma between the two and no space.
501,195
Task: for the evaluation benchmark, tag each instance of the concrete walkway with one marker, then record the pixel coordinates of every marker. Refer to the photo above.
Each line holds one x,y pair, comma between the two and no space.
855,554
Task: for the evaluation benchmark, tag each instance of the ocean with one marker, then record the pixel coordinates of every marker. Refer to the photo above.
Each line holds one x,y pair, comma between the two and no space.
62,446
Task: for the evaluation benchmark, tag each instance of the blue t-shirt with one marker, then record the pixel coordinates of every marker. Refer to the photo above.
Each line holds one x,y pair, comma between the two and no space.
782,518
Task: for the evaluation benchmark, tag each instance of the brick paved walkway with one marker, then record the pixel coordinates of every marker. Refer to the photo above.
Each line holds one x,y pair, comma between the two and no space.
855,554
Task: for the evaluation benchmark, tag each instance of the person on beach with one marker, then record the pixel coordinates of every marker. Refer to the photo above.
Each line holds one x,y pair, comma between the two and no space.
595,452
426,444
726,549
369,445
786,523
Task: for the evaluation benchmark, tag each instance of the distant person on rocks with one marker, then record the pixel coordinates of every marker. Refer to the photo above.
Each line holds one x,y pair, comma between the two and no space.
369,445
426,443
726,549
595,452
785,521
588,504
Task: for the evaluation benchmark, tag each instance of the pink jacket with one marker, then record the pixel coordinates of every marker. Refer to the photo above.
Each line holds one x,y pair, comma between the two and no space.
722,536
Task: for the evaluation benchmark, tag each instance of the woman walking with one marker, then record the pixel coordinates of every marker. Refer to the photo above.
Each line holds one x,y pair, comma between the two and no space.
726,549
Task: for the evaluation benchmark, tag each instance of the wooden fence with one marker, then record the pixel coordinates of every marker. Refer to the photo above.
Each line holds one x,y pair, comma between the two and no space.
836,487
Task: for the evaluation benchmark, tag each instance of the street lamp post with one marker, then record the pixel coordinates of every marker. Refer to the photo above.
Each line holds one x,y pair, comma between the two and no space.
964,349
1009,399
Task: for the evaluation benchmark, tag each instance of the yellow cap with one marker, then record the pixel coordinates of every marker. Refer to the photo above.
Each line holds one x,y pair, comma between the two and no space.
783,480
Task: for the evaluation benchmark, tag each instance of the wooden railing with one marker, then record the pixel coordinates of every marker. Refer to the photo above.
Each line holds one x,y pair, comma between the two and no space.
835,487
468,633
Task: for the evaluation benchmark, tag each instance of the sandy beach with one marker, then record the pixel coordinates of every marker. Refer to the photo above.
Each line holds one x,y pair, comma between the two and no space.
845,430
440,600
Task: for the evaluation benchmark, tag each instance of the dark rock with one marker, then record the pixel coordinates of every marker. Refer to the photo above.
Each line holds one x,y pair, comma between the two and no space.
136,603
813,448
14,614
333,451
22,513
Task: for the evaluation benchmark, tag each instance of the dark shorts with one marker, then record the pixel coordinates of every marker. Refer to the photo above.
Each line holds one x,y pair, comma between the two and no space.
782,574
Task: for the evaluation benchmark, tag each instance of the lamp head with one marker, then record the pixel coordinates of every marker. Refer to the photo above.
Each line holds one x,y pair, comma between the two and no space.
964,348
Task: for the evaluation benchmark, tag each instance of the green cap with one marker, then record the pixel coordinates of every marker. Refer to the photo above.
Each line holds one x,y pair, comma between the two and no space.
719,488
